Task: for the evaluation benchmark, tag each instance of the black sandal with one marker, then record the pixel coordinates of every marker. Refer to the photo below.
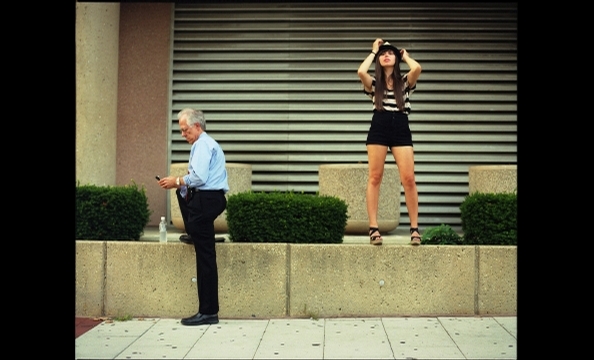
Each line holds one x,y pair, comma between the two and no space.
375,239
415,240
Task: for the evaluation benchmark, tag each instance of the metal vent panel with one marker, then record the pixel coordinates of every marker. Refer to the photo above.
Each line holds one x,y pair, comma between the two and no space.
278,85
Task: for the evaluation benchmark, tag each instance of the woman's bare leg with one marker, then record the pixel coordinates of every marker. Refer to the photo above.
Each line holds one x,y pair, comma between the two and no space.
404,157
376,156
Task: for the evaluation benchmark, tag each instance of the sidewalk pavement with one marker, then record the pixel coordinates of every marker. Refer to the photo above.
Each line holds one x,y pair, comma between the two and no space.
446,337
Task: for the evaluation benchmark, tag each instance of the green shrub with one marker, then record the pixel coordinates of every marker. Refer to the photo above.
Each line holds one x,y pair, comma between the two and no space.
441,235
111,212
490,219
285,217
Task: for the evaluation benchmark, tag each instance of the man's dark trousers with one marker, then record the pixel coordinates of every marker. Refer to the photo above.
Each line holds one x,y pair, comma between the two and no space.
199,213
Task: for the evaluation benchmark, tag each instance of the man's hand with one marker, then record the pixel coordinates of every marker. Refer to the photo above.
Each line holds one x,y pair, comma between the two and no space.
168,182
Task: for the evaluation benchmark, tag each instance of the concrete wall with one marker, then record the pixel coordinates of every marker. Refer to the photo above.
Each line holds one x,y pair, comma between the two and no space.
117,278
143,99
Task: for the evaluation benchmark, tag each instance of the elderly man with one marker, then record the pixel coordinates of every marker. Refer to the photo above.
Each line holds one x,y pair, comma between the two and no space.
203,189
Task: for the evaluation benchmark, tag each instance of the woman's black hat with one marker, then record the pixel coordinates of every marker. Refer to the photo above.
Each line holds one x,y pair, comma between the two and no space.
387,46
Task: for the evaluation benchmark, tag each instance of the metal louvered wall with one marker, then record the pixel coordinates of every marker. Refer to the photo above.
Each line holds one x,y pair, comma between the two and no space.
278,84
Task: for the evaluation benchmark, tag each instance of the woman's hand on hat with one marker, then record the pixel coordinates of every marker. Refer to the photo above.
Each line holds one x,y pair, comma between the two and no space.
376,44
403,53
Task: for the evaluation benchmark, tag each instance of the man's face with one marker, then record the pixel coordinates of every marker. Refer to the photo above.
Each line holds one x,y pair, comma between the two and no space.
189,133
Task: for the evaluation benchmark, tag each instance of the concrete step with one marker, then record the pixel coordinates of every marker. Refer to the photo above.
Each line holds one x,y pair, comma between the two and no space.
397,236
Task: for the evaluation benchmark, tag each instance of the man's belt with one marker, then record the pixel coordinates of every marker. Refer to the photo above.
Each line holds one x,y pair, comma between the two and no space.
193,191
196,190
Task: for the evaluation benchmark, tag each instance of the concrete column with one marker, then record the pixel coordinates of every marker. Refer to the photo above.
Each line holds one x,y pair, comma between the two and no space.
349,183
493,179
96,37
239,177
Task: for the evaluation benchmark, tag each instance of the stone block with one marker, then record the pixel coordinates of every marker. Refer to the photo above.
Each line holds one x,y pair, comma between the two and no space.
253,279
342,280
154,279
349,183
239,178
492,178
498,280
150,279
89,273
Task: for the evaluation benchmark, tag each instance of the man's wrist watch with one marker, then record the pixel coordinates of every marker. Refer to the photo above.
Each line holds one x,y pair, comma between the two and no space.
177,181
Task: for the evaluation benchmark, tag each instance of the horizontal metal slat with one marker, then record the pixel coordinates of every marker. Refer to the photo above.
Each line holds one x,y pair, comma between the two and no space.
482,155
328,137
323,107
337,99
427,76
361,157
296,118
360,125
352,85
296,64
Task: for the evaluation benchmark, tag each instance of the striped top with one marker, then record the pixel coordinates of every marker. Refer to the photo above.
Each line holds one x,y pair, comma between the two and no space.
389,102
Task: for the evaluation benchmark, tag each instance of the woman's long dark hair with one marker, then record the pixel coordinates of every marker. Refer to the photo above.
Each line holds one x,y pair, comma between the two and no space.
381,87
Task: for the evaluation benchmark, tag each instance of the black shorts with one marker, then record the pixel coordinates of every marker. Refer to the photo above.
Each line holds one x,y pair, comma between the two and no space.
389,128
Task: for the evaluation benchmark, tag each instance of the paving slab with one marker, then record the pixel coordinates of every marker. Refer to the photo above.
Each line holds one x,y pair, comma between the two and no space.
481,338
356,338
420,338
509,323
108,339
166,339
292,339
229,339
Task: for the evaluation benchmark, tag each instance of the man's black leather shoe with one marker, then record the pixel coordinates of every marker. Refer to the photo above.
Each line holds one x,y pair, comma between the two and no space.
201,319
186,239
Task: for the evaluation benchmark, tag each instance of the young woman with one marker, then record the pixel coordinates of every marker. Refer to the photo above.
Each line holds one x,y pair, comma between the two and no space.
390,91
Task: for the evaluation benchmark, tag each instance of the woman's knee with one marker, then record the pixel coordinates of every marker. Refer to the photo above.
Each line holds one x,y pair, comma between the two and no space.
408,181
375,178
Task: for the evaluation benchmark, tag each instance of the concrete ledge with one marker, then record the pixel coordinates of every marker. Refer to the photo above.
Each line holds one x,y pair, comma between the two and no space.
151,279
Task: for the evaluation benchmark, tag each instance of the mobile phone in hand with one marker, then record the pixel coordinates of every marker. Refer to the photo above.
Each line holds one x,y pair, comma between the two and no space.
157,177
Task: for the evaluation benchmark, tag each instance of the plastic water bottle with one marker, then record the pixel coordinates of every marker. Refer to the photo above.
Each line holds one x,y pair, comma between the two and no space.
163,230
